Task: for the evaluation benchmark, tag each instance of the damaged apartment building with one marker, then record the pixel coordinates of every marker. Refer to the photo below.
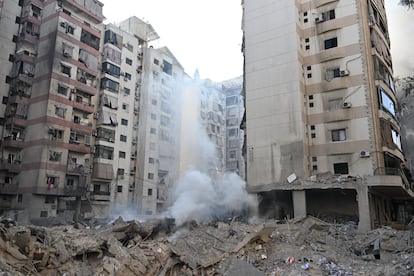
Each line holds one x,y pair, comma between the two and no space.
322,133
85,119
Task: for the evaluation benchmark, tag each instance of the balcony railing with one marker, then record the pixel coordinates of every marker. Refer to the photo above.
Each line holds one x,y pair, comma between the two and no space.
8,189
395,171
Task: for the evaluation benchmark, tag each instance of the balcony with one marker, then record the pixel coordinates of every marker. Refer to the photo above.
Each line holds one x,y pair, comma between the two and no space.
100,196
13,142
74,191
77,169
11,166
395,177
9,189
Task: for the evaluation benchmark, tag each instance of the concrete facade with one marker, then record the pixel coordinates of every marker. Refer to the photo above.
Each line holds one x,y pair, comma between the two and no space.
320,101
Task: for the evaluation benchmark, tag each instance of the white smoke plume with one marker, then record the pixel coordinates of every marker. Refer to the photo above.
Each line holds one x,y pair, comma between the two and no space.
203,193
198,197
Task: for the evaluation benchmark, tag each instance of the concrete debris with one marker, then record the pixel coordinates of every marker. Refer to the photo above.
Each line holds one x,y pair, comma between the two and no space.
305,246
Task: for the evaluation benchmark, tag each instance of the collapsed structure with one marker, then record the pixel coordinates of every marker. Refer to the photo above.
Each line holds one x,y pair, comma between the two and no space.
322,132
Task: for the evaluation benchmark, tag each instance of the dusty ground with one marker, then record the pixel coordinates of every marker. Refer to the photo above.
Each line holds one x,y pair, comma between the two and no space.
297,247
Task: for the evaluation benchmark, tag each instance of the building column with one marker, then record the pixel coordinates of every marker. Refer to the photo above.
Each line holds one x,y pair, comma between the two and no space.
363,209
299,203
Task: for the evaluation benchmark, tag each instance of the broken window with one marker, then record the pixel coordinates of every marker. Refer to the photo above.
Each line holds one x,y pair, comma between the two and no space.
90,60
63,90
65,69
67,49
90,39
55,156
60,111
341,168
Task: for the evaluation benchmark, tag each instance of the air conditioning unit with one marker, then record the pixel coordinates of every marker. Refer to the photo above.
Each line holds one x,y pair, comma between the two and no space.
111,140
96,115
344,73
346,105
364,153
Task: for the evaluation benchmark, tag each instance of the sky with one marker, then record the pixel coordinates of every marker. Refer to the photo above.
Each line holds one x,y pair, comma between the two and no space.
207,35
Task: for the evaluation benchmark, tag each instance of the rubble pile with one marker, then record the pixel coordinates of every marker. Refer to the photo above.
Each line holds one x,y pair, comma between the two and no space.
306,246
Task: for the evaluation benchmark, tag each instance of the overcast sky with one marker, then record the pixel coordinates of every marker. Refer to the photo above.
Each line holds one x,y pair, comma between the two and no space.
207,34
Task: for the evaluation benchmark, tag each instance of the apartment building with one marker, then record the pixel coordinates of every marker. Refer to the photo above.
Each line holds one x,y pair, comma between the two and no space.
234,135
49,99
322,134
157,161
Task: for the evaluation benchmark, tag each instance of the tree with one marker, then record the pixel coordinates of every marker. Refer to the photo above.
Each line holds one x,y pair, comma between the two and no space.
407,3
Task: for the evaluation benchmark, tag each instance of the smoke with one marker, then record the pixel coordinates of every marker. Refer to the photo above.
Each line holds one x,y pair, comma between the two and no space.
198,197
204,193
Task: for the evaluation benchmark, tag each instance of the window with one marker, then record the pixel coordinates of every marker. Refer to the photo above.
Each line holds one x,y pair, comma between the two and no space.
49,200
330,15
154,102
156,61
153,116
314,158
150,176
124,122
332,73
312,127
307,40
127,91
153,130
338,135
307,47
151,160
43,214
125,107
233,132
311,105
309,68
127,76
309,76
128,61
122,154
386,102
119,189
396,138
341,168
120,172
52,182
5,99
65,70
149,192
20,198
123,138
111,69
55,156
110,85
60,111
331,43
63,90
314,168
313,135
232,154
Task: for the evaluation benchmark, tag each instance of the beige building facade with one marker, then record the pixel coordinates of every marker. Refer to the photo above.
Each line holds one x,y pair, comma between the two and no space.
321,110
